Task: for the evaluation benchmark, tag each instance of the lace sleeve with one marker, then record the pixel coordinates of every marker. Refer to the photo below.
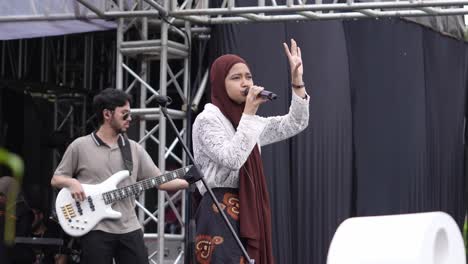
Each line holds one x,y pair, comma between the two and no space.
228,150
283,127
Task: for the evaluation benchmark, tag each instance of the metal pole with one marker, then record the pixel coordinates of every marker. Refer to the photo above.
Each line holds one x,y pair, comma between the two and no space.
185,122
25,58
46,60
64,66
20,54
43,43
189,225
162,135
83,115
91,62
143,95
72,119
119,56
85,61
3,57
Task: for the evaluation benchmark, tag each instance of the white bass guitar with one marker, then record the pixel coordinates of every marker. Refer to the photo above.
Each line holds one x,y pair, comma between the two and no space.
78,218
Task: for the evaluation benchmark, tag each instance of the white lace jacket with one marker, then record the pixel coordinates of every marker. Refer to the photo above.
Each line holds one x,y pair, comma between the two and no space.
220,150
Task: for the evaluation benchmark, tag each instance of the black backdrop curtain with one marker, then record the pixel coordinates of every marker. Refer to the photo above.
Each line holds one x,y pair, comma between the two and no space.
408,88
386,128
387,82
322,154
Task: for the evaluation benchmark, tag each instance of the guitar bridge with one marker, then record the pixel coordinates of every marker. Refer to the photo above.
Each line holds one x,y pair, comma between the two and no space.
68,211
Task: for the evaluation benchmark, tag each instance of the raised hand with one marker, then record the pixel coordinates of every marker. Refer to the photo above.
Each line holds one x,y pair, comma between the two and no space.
295,62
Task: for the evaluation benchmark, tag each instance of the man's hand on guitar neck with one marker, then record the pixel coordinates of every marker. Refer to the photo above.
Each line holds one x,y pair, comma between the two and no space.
190,177
72,184
174,185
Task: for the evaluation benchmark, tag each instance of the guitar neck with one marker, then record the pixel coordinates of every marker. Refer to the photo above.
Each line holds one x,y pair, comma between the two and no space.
137,188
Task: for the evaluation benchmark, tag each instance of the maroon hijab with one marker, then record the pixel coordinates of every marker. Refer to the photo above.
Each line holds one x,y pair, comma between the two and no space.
255,213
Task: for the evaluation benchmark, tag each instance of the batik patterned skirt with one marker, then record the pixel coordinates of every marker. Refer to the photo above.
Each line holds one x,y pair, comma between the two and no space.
214,242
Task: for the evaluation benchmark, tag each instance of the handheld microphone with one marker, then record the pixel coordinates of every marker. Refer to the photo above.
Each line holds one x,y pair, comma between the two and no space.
265,94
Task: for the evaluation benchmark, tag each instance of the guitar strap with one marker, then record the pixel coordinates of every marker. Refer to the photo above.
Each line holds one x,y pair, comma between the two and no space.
124,145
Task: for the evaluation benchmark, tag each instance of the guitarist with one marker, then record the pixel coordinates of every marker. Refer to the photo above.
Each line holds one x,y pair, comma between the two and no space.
92,159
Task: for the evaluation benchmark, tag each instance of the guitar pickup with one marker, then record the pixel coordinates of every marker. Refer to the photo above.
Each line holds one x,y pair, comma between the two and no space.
91,204
78,206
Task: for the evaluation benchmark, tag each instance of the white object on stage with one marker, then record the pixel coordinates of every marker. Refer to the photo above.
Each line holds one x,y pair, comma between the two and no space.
424,238
78,218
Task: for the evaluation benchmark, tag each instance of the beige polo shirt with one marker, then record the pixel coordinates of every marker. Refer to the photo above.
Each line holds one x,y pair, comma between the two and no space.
91,161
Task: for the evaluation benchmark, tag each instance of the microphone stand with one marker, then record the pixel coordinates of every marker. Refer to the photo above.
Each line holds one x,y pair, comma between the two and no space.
210,192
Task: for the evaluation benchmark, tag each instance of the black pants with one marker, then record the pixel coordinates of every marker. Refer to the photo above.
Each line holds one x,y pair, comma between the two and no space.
102,247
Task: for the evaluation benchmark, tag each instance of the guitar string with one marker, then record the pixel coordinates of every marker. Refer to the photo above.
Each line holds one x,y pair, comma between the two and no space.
100,196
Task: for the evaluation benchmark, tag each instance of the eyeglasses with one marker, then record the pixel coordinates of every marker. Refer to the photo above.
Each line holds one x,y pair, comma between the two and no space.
127,116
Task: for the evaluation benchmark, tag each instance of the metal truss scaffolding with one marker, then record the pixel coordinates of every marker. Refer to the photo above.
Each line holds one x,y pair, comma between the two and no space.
199,11
296,10
165,48
161,31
